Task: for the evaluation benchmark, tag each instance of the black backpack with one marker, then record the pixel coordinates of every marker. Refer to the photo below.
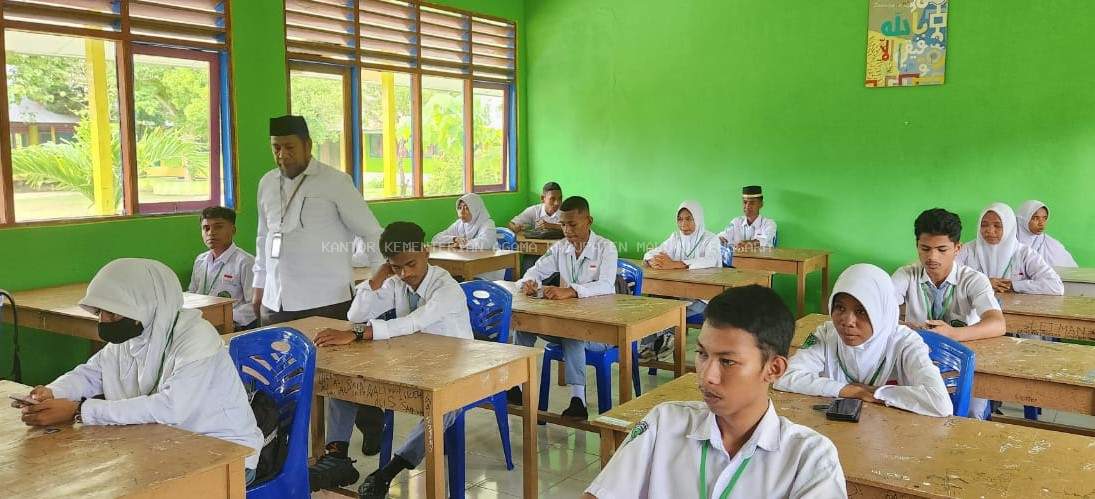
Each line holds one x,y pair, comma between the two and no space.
275,447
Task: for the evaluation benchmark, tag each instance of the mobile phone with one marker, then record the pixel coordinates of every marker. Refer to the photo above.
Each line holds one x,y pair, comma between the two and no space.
25,401
844,410
275,245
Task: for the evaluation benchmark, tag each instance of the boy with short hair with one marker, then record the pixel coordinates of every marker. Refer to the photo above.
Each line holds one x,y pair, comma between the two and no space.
586,266
941,294
543,216
425,298
750,231
733,440
225,270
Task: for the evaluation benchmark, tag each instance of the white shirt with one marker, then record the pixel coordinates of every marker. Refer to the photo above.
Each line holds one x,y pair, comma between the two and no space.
227,276
533,213
706,254
314,268
906,378
592,273
1028,272
194,397
762,229
970,294
661,459
442,307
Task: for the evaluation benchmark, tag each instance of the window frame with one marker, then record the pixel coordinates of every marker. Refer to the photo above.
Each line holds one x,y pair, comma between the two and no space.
126,45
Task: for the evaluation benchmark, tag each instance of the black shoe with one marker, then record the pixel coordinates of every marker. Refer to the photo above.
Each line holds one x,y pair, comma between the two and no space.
577,410
514,396
374,487
370,421
331,472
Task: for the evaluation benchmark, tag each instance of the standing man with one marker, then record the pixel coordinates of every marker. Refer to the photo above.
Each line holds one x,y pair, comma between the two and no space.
309,214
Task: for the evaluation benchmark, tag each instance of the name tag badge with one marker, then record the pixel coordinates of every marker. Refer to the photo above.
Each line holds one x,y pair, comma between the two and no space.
275,245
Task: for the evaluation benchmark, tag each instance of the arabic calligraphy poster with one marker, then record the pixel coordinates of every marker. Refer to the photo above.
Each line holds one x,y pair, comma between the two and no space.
906,43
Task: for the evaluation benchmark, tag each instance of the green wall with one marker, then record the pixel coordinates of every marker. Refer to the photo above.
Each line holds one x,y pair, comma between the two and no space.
35,257
640,104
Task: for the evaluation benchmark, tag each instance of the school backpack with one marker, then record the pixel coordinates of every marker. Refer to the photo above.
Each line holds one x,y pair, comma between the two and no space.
275,446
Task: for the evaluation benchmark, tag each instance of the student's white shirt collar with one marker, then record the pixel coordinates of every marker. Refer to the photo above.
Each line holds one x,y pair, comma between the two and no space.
766,436
427,281
952,277
758,220
590,251
224,256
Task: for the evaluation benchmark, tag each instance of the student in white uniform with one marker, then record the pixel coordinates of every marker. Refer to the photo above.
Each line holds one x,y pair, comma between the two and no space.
161,364
541,216
225,270
733,444
940,294
751,230
691,246
1011,266
1032,219
586,266
472,230
425,298
864,353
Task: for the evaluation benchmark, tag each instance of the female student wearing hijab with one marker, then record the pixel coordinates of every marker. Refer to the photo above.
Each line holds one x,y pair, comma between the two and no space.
1032,219
864,353
1011,266
161,364
691,246
472,230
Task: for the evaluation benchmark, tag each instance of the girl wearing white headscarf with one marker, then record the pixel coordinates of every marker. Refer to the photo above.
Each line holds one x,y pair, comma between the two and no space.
1011,266
1032,233
162,363
472,230
863,352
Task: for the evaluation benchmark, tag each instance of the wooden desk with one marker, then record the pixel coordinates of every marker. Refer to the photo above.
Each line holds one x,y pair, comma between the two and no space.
615,319
113,461
1078,281
536,247
894,453
468,264
1047,374
1071,317
797,262
427,375
699,284
55,310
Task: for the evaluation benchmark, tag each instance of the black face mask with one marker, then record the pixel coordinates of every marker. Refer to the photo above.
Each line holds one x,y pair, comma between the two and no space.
120,331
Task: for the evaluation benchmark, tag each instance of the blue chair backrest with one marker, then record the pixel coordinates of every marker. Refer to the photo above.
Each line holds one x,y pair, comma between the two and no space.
507,240
490,308
727,256
281,362
953,357
632,274
775,240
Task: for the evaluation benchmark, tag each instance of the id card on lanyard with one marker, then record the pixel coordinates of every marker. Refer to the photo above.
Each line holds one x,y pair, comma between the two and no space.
275,238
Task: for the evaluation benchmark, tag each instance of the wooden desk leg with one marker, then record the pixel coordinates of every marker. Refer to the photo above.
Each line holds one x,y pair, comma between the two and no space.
625,365
800,291
678,348
530,393
319,423
229,325
434,423
608,446
824,303
237,489
516,267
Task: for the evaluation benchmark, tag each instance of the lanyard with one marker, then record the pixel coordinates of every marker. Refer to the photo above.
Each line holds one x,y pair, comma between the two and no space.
207,285
854,380
576,270
281,191
689,254
163,358
928,302
703,474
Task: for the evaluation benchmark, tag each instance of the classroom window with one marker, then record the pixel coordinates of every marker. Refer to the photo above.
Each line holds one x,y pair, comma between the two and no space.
318,96
434,106
113,108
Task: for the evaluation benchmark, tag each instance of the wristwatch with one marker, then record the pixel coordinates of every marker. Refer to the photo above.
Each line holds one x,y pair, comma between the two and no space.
79,418
359,330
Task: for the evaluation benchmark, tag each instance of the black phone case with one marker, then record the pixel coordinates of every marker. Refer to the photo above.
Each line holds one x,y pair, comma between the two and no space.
844,410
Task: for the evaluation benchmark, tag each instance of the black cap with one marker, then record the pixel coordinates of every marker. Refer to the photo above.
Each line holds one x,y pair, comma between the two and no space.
288,125
751,191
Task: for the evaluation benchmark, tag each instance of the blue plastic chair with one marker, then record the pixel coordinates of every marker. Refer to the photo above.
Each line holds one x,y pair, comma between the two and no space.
952,356
600,360
507,240
281,362
490,307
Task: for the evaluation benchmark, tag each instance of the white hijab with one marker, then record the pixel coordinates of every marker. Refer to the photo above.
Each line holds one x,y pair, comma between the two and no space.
1044,244
479,216
995,258
694,239
149,292
874,289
